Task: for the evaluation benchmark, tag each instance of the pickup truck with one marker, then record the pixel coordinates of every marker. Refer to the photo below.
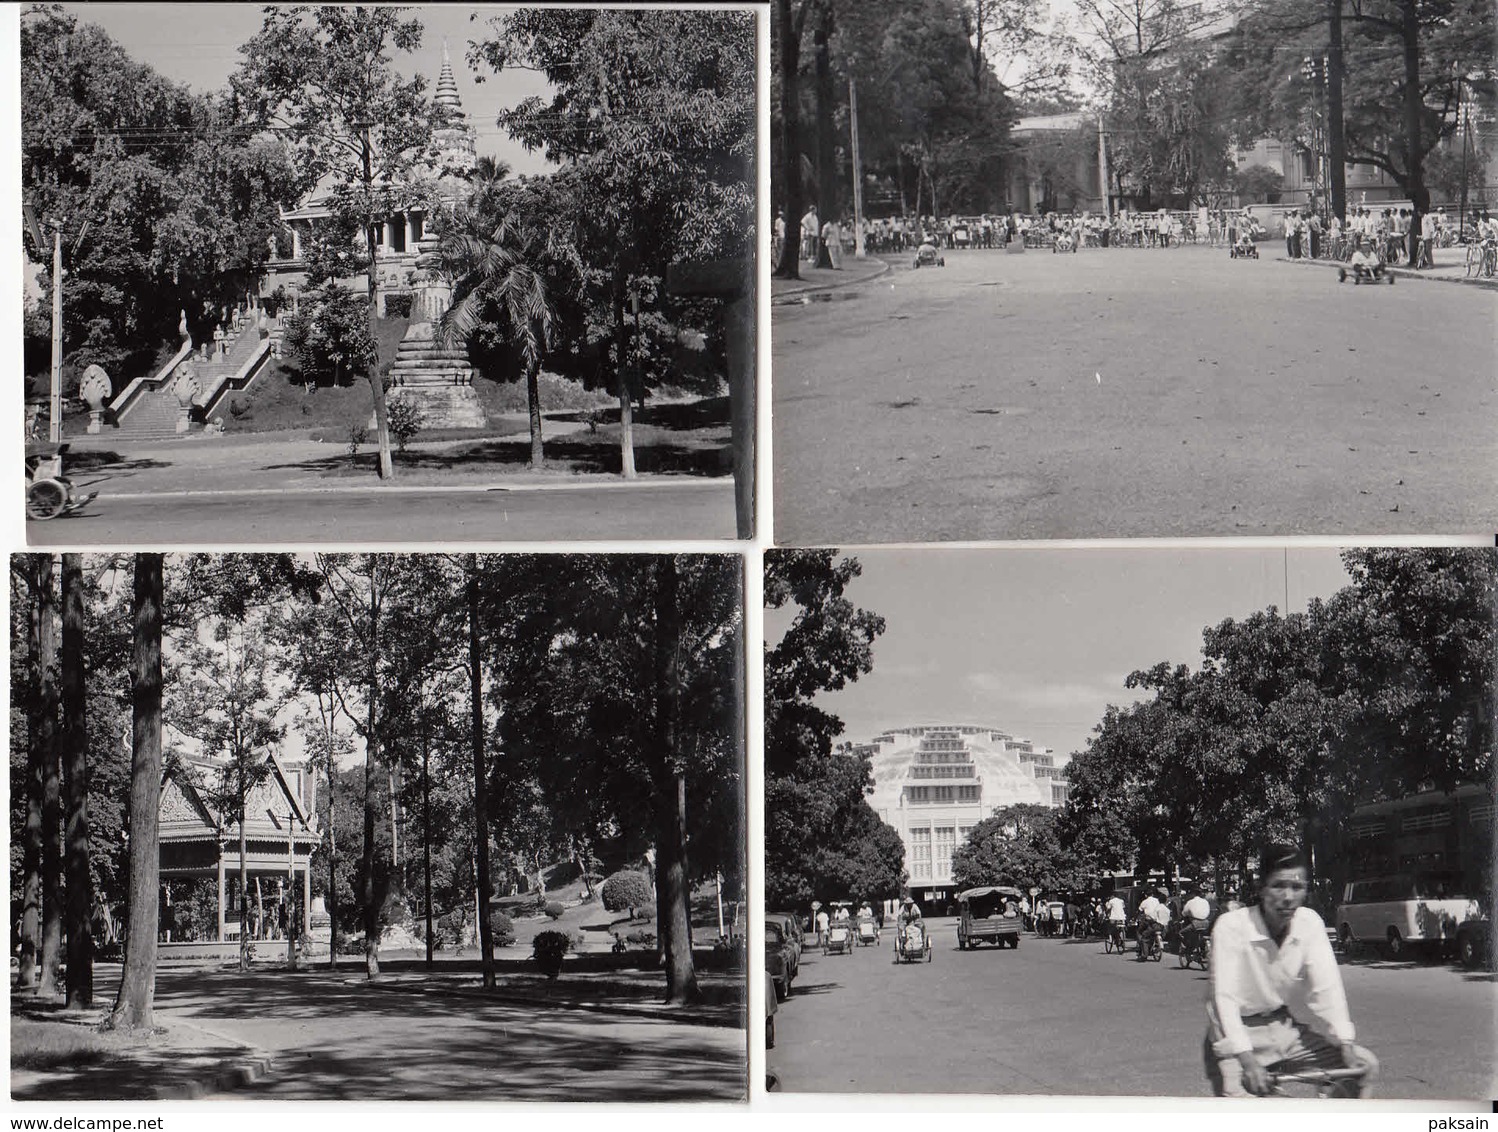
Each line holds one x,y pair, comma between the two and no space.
985,917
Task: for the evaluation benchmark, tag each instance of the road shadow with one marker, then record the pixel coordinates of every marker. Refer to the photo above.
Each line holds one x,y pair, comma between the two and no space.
814,988
678,416
105,459
595,455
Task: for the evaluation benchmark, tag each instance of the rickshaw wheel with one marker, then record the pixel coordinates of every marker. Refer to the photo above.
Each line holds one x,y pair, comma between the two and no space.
45,499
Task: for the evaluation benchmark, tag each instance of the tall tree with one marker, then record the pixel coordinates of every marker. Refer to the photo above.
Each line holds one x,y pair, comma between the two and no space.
654,112
820,831
323,76
50,750
488,256
27,567
133,1007
80,884
480,768
1016,845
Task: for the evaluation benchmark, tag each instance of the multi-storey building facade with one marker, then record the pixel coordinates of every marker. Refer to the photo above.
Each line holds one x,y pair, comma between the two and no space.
933,784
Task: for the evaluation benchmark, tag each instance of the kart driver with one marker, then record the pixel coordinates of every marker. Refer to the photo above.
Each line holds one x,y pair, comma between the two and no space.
1276,998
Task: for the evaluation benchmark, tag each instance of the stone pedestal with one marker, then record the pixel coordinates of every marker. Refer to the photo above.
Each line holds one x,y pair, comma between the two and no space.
95,388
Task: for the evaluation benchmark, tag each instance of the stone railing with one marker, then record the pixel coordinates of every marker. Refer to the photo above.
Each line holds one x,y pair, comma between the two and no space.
129,398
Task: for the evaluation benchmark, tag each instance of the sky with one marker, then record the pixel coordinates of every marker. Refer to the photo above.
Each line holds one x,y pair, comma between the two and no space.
1038,641
198,44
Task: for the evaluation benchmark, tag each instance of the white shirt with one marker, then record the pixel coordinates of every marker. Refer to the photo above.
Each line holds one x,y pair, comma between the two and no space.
1250,974
1197,908
1150,906
1116,910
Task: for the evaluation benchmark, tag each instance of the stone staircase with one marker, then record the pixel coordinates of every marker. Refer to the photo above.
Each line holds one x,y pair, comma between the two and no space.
437,380
153,413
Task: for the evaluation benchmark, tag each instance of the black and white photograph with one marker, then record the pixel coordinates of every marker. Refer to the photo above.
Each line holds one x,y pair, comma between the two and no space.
370,827
337,274
1130,822
1055,269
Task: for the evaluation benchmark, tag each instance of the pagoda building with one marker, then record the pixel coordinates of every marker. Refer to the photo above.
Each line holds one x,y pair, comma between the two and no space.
200,840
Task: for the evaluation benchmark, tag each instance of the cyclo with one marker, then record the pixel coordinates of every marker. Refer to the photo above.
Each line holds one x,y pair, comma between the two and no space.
912,942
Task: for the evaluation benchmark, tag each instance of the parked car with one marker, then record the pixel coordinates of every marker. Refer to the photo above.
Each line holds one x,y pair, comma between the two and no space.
1472,943
790,927
771,1006
1404,910
778,960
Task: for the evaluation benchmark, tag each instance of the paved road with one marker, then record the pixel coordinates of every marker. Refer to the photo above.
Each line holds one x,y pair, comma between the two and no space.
1061,1018
1133,393
692,509
335,1038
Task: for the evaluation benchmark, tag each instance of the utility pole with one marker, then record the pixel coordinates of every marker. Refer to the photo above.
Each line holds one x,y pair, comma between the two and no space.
859,252
1336,140
54,425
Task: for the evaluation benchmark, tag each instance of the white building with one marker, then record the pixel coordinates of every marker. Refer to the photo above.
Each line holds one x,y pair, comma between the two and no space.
934,784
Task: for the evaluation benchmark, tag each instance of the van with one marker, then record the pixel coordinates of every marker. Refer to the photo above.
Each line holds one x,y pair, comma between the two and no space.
1404,910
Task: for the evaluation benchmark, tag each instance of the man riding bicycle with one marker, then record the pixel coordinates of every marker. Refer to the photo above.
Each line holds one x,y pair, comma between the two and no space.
1276,1002
1154,916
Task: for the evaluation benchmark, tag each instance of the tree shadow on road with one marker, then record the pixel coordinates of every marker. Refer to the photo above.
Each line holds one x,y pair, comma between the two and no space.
567,454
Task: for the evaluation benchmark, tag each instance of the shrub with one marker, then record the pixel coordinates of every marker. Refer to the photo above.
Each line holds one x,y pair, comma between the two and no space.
398,306
357,435
236,410
501,929
550,947
627,889
405,421
642,937
553,910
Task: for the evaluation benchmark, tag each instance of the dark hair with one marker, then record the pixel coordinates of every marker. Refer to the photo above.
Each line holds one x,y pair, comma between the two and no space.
1277,855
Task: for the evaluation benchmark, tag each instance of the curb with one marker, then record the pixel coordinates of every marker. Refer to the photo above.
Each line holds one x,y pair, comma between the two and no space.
792,296
1400,272
226,1080
429,489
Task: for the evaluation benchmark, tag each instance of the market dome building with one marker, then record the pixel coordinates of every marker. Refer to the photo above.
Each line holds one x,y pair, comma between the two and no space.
933,784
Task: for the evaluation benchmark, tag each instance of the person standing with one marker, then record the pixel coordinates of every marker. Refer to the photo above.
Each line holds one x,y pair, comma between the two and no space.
832,240
811,228
1275,992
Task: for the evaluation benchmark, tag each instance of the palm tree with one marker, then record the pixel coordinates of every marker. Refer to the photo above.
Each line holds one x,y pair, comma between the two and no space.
490,258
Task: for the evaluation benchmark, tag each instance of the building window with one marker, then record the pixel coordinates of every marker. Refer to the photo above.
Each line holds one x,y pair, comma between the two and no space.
946,841
967,794
920,853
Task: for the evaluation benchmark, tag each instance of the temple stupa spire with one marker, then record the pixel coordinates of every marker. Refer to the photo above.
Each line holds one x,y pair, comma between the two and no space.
447,85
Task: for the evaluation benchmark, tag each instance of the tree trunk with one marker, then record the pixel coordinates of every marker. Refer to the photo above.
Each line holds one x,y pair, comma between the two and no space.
31,900
244,888
672,886
51,750
1336,137
138,980
1414,106
426,837
372,892
480,777
376,381
793,192
827,171
533,405
626,417
80,977
332,900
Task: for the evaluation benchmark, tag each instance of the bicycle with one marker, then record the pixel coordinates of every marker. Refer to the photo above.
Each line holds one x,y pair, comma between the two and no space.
1340,1084
1114,939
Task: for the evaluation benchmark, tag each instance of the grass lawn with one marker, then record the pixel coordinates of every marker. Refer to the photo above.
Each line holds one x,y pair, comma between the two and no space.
43,1037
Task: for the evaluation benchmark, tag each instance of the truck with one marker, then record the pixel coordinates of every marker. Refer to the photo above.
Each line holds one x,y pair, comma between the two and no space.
989,915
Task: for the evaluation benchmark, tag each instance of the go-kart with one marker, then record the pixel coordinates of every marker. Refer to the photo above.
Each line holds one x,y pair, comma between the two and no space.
927,256
1245,248
839,938
48,492
1376,273
912,944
